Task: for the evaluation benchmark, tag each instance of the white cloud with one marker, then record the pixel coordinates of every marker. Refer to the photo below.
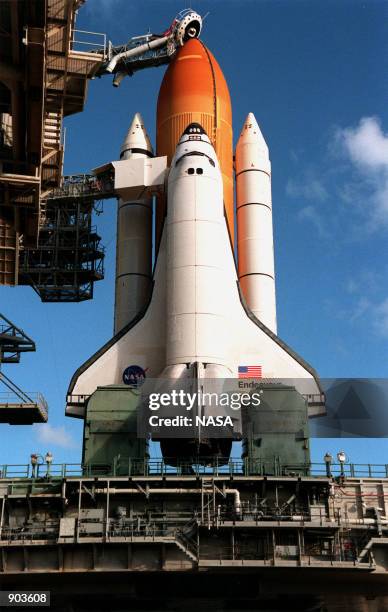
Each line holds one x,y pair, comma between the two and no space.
366,148
104,14
381,320
98,5
366,144
361,307
352,286
311,214
373,313
294,156
57,436
341,349
366,281
309,188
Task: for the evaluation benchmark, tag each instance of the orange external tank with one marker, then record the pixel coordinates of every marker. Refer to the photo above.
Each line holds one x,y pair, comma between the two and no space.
194,90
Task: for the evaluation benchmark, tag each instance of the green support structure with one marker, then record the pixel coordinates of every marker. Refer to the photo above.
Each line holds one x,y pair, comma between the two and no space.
277,432
110,432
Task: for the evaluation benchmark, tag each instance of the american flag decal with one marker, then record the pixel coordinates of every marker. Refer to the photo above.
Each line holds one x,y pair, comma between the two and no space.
249,372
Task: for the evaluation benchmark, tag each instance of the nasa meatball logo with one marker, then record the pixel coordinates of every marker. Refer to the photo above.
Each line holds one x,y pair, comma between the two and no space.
134,375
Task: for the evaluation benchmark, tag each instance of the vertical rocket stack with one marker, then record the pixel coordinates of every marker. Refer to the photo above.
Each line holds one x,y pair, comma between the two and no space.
202,99
203,315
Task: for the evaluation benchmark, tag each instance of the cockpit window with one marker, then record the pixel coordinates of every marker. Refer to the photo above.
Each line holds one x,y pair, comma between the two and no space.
199,171
190,171
195,153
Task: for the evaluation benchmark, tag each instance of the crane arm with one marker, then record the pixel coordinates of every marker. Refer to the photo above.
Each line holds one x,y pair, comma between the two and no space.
150,50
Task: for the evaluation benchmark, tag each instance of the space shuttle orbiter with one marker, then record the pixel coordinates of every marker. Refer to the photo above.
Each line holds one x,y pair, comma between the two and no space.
197,308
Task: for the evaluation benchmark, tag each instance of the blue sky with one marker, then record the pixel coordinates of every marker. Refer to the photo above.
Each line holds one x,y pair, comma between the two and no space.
314,74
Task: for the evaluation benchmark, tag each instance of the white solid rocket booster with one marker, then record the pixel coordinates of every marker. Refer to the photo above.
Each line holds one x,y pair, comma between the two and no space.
134,238
254,223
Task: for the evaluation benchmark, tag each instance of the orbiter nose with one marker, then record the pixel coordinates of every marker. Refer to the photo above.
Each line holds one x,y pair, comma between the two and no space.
194,141
194,128
194,132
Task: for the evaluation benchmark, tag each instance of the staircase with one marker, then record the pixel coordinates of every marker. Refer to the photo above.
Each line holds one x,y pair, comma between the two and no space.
187,546
52,157
365,544
52,130
186,542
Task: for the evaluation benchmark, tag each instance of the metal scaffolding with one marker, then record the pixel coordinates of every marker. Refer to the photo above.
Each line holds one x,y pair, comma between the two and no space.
69,257
43,78
16,406
173,522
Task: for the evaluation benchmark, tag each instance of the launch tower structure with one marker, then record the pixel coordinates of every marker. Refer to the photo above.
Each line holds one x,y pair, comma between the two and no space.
16,406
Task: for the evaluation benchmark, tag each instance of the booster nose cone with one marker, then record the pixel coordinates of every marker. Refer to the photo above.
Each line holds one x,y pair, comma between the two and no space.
137,141
251,149
251,134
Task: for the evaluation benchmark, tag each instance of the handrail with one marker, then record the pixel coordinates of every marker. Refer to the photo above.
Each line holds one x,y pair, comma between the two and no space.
162,467
100,47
